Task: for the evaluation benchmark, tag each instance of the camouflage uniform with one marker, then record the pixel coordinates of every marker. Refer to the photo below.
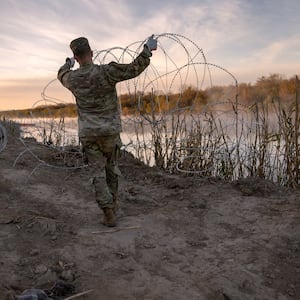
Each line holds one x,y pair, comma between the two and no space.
99,122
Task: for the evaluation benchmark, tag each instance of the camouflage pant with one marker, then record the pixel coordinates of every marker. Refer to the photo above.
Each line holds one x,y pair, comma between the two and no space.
102,154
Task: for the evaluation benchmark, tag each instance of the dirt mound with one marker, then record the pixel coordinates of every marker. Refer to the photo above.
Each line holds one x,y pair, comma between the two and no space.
178,237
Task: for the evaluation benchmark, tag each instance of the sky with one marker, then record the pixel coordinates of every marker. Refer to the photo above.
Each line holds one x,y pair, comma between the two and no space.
250,39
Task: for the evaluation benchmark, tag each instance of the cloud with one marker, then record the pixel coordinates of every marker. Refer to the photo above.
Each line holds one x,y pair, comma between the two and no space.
281,56
242,36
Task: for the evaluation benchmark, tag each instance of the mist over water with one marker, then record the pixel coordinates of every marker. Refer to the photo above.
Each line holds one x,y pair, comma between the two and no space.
227,145
64,132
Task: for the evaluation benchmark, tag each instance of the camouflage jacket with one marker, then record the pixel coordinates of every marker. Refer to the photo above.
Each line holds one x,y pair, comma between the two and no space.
94,88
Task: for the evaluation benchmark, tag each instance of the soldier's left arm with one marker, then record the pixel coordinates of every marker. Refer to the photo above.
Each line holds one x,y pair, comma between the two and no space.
119,72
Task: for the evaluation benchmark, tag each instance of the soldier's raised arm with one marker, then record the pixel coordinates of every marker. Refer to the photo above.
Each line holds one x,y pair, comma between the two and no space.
119,72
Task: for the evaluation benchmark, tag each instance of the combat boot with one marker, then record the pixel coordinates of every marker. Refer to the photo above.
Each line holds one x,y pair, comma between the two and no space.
109,217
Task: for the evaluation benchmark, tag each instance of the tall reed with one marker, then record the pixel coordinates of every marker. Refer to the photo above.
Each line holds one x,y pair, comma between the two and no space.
225,140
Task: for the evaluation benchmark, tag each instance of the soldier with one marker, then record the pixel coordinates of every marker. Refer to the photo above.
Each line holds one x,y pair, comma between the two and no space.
99,122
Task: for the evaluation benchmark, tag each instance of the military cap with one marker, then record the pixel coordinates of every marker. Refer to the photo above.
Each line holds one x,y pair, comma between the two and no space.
79,45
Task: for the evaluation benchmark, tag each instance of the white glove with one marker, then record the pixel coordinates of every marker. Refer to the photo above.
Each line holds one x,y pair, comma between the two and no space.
151,43
70,61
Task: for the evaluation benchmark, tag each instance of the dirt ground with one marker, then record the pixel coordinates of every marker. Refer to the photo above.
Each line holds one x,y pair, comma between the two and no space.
178,237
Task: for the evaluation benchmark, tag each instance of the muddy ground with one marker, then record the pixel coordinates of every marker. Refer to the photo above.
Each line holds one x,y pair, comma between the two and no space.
178,237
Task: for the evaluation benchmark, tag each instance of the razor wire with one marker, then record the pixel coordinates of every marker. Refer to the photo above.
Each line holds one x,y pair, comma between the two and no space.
3,138
177,63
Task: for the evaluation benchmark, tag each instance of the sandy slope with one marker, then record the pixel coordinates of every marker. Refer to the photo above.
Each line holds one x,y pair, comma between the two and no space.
177,237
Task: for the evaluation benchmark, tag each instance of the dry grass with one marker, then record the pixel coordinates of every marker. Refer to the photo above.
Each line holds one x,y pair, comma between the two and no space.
227,140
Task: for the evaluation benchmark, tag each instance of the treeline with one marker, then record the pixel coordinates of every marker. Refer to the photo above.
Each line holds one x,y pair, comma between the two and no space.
46,111
272,87
149,102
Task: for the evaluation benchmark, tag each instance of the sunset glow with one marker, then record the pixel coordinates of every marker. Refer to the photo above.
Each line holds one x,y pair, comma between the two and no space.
249,38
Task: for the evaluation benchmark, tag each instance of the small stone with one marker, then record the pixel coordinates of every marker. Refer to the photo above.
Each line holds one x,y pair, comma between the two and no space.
291,292
40,269
46,278
67,275
34,252
202,205
121,255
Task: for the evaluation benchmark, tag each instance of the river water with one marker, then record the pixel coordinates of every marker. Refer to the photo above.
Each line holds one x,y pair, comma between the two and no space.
218,146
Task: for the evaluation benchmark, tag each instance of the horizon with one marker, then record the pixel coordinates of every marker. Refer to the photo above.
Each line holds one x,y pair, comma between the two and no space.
52,101
249,39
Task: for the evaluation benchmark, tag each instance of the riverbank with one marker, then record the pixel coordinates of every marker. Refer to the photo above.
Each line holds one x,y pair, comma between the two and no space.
178,237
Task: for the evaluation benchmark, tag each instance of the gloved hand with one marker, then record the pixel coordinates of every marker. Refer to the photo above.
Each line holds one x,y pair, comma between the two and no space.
70,61
151,43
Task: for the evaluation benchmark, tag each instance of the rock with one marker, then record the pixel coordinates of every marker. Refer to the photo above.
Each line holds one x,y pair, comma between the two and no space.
67,275
255,186
46,278
34,252
40,269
